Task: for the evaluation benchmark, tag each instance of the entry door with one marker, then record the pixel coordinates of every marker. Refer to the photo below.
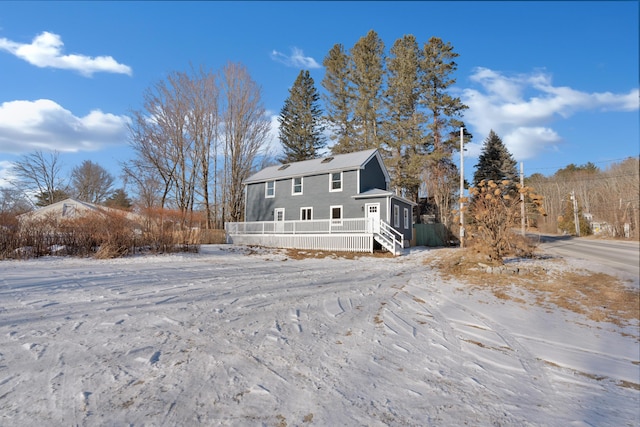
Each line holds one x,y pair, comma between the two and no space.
278,217
373,211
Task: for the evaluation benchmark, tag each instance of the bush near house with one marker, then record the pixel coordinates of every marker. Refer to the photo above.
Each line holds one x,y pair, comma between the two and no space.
494,212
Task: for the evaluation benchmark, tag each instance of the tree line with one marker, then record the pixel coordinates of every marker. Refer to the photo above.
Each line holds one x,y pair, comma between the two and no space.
607,196
41,174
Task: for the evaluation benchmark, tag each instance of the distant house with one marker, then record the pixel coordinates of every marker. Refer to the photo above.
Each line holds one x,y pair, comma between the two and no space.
71,209
340,203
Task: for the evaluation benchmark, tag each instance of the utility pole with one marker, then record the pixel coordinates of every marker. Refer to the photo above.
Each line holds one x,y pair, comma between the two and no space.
575,212
522,210
461,187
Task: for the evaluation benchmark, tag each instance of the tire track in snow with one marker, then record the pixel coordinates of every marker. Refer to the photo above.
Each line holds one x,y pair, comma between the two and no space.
438,305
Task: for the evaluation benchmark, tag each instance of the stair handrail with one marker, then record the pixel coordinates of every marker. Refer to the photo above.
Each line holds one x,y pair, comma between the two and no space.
395,234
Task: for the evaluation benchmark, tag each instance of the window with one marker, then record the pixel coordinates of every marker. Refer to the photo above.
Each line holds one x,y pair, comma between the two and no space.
336,214
335,183
306,214
270,189
396,216
297,186
406,218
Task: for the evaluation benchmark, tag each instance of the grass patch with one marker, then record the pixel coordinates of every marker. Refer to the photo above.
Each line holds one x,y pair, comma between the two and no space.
597,296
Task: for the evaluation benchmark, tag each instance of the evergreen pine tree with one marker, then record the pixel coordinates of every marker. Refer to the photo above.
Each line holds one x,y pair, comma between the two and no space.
495,162
404,124
443,112
45,199
339,99
118,199
367,77
301,121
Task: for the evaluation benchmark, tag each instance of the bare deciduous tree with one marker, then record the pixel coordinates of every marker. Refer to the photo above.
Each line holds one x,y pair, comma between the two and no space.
202,126
178,137
40,174
13,201
607,197
246,128
90,182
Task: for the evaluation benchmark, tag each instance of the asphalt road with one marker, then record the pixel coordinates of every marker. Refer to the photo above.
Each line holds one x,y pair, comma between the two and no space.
618,254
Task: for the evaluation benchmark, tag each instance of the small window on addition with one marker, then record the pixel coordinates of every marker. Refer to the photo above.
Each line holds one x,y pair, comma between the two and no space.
396,216
406,218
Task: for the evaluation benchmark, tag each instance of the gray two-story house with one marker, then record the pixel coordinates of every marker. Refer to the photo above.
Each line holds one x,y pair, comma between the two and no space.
340,202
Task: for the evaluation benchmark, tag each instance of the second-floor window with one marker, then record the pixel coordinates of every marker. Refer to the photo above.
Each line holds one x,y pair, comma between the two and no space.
297,186
270,190
336,181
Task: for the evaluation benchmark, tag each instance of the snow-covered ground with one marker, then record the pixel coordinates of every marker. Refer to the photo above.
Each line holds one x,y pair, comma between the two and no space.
225,337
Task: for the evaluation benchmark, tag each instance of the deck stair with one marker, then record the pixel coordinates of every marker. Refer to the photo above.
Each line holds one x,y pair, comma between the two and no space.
389,238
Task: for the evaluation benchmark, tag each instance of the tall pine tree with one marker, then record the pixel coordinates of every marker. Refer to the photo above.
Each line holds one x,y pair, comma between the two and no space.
443,111
495,162
339,99
367,76
301,121
404,124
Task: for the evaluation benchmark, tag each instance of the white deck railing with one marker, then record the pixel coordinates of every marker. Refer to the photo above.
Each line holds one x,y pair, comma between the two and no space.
353,234
318,226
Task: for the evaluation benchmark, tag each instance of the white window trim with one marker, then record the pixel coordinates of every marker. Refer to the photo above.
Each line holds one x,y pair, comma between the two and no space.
337,221
304,209
266,190
293,186
406,218
396,216
331,189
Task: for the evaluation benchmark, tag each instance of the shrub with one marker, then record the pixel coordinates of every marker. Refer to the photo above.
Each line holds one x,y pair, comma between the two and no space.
494,212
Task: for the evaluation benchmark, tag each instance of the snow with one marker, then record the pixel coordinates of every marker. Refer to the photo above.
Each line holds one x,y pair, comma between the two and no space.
233,336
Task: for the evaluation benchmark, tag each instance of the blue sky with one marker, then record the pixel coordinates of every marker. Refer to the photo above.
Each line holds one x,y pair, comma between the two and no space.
558,81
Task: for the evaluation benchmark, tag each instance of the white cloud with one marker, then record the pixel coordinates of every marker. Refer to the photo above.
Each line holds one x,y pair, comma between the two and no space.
296,59
46,51
44,125
521,109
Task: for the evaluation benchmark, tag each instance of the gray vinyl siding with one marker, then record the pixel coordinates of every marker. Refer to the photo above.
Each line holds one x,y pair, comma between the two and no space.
372,176
408,233
315,195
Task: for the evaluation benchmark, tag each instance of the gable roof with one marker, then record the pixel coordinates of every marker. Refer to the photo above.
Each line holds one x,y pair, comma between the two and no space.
71,208
339,162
